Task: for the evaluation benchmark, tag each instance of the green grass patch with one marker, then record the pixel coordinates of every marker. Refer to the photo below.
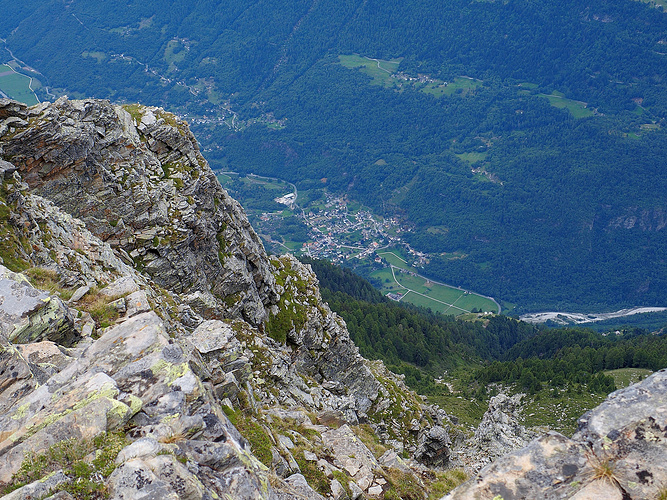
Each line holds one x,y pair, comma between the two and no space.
460,86
260,441
578,109
46,279
394,259
379,70
314,476
472,157
445,482
468,410
173,54
99,56
559,409
624,377
71,456
657,3
17,86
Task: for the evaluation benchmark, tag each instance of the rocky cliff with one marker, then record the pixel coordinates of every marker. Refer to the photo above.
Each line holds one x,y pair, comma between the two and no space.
149,346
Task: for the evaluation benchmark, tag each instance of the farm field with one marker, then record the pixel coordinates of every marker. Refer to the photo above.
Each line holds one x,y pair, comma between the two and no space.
415,289
377,69
16,86
381,72
578,109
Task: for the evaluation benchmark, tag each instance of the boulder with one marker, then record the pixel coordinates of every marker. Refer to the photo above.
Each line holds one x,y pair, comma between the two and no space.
434,447
619,451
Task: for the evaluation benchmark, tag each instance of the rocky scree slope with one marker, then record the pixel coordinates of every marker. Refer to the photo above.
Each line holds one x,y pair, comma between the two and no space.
150,348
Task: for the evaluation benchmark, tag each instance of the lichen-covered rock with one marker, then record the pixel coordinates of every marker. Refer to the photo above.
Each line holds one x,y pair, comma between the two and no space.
28,315
143,186
351,455
619,451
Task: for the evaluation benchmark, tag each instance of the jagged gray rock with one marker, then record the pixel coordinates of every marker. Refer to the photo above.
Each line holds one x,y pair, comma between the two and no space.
498,434
147,191
28,315
619,451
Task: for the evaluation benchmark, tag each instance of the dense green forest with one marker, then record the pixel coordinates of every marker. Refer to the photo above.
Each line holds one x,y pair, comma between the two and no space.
546,175
567,365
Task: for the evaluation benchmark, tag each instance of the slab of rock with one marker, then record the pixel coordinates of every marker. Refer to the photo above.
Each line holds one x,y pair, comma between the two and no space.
29,315
40,488
79,293
136,303
122,286
619,451
351,454
299,483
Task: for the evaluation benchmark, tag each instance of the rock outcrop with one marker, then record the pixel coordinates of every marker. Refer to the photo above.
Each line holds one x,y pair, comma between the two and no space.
136,178
618,452
498,434
146,336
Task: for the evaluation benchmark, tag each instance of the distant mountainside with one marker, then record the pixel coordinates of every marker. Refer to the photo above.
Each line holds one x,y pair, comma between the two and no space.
523,140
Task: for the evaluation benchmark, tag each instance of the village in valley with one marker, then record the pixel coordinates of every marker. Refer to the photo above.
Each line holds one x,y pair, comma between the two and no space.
322,225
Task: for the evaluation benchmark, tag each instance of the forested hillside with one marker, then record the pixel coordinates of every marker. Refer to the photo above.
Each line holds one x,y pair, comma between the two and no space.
532,145
572,368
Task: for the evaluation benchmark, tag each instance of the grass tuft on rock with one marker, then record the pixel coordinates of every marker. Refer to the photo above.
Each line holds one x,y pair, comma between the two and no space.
75,458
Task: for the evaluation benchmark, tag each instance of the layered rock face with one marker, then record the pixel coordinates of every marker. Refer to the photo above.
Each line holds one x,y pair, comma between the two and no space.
137,180
150,348
618,452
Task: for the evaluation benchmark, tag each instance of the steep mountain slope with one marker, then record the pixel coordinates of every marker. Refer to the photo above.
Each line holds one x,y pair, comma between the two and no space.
165,340
123,379
522,140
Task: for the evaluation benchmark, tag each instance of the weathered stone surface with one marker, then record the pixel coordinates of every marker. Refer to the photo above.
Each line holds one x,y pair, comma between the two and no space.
299,483
122,286
149,192
6,169
16,379
79,293
136,303
350,454
27,314
44,358
619,451
434,447
38,489
10,108
135,480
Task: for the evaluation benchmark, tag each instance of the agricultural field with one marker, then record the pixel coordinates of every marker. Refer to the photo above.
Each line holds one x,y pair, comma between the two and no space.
380,71
472,157
17,86
418,290
386,73
577,109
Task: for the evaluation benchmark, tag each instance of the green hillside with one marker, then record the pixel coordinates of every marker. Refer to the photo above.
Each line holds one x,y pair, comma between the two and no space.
530,134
